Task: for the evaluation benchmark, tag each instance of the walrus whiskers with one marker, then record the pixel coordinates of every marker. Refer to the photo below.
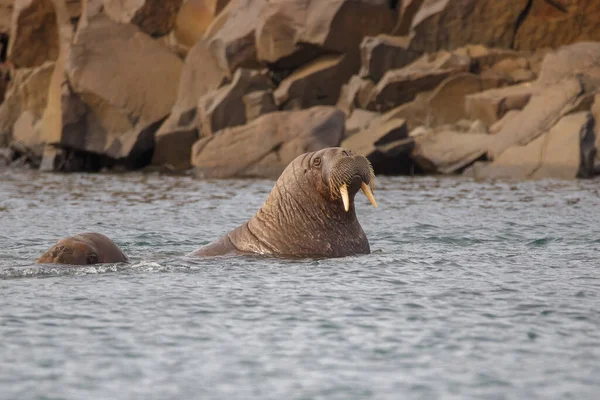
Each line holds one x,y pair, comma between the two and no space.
345,171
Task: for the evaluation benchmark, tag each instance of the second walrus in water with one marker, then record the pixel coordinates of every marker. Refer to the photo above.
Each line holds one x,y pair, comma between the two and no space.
83,249
309,212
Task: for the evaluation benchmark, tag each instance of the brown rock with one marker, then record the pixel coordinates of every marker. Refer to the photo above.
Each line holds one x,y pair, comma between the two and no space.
402,85
154,17
24,104
6,12
499,125
567,82
446,104
406,13
384,140
449,24
292,32
34,34
415,113
277,32
359,120
510,71
558,22
595,110
355,93
126,82
317,83
542,111
4,80
258,103
32,113
200,75
446,151
247,150
566,151
378,132
7,155
194,17
225,107
340,26
231,36
579,58
483,57
21,112
491,105
382,53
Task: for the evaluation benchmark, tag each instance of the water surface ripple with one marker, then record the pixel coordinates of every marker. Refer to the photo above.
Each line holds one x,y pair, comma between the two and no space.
474,290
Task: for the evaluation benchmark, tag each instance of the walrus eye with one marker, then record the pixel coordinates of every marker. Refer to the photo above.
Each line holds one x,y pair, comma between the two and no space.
317,161
92,258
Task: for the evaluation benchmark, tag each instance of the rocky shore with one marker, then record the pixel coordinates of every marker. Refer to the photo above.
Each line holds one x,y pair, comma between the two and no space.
238,88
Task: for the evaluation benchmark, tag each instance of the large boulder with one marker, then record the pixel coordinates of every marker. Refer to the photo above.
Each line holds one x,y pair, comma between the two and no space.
200,75
447,103
265,146
290,32
447,151
154,17
449,24
35,119
225,107
193,18
402,85
559,22
34,37
316,83
382,53
358,120
231,36
568,80
378,131
355,94
24,105
566,151
577,59
491,105
125,79
258,103
6,11
542,111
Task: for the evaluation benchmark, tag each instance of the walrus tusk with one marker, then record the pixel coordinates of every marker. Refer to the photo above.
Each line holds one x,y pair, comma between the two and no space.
367,191
345,199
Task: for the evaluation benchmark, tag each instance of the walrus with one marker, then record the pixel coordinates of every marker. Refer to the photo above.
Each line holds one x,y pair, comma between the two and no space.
308,213
83,249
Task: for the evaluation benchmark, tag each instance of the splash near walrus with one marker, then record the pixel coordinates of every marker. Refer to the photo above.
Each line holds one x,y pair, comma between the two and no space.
309,212
83,249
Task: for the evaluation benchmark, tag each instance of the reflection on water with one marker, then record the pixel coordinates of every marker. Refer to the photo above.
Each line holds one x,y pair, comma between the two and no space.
474,290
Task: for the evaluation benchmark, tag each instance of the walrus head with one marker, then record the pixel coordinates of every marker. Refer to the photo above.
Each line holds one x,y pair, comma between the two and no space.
68,251
343,174
83,249
310,210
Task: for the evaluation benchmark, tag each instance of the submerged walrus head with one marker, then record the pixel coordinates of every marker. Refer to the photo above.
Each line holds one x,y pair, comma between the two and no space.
82,249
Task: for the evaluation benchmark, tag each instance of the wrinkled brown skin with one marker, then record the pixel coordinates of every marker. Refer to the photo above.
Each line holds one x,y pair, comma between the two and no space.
83,249
301,218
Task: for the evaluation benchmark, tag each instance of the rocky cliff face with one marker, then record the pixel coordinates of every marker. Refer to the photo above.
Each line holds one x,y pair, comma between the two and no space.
226,88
